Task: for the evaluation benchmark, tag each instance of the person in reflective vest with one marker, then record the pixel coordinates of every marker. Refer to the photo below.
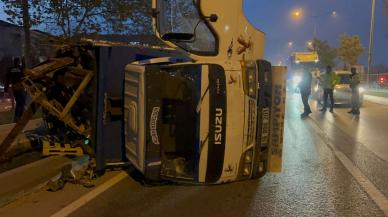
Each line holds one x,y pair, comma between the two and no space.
354,85
329,81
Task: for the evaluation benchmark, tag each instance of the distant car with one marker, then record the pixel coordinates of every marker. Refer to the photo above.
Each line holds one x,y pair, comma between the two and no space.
342,91
382,81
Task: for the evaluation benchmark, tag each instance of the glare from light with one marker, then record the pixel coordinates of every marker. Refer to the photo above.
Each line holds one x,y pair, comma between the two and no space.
297,79
247,170
361,89
297,13
227,28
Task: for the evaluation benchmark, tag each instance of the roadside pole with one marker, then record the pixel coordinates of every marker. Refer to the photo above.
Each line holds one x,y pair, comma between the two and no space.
372,28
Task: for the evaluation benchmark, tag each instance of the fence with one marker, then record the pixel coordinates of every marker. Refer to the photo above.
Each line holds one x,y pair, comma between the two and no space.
378,81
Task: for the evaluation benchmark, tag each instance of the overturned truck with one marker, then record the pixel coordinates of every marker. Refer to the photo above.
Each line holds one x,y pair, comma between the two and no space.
207,110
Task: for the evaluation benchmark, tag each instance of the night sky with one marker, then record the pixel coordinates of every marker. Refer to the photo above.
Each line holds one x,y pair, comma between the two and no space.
353,18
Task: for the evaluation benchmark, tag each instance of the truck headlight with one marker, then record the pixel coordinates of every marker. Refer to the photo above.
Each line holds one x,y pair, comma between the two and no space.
250,83
297,79
247,169
247,162
248,156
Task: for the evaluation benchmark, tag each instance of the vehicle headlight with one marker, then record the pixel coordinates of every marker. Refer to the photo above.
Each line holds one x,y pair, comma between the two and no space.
316,88
250,83
247,170
361,89
247,162
297,79
251,91
248,156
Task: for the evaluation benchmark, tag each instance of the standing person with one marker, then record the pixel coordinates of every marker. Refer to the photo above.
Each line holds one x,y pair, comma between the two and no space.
14,77
305,91
329,80
354,85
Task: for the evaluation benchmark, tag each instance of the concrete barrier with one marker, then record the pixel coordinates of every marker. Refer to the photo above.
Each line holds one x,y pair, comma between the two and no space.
26,179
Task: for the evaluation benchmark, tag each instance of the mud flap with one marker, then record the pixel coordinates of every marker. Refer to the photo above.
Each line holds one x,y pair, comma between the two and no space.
275,154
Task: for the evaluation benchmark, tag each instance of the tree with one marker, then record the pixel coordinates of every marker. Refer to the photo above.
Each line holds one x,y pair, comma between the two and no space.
14,10
19,13
27,35
141,18
327,54
74,18
350,49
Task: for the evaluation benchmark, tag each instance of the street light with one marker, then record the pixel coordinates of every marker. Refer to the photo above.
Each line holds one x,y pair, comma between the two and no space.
372,29
290,44
297,14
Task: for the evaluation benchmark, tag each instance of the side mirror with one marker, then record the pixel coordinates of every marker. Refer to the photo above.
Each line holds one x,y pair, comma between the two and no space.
177,36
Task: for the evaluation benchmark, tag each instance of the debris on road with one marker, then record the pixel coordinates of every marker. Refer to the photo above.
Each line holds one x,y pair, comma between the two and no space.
81,172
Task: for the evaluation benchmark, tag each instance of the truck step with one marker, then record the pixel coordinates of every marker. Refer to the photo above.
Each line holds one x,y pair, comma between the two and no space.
51,149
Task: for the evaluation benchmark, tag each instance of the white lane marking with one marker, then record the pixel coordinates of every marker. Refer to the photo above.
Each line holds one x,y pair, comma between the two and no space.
373,192
90,196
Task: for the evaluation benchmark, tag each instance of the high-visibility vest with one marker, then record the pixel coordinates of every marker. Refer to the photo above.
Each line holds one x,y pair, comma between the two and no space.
330,80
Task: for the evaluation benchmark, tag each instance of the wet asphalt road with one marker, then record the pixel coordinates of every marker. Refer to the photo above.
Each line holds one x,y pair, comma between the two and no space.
313,182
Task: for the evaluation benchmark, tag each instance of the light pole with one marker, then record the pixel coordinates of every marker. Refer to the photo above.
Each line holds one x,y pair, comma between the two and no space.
372,28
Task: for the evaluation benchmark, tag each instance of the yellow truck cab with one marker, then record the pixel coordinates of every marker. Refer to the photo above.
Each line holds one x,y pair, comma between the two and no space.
216,116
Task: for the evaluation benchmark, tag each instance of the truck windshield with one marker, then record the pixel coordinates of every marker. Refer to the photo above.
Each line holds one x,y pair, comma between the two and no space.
182,17
180,121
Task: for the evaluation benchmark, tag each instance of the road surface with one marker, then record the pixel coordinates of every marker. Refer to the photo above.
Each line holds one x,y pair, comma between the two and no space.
334,165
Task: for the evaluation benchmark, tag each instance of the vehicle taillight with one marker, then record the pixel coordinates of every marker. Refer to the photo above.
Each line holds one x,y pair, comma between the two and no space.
382,79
